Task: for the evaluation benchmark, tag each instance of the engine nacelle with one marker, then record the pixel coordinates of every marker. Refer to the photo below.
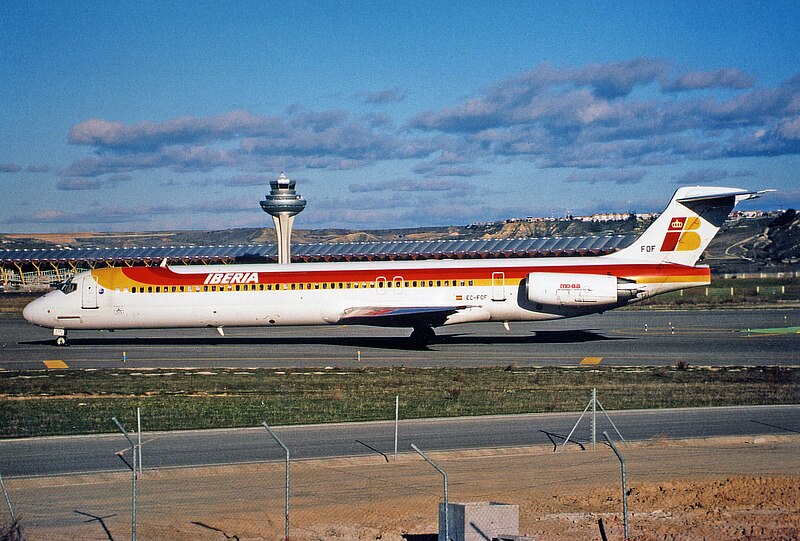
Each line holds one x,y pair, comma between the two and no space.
552,288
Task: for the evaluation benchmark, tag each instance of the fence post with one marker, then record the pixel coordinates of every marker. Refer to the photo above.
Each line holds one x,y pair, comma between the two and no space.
446,506
139,436
133,480
624,490
594,418
286,449
396,422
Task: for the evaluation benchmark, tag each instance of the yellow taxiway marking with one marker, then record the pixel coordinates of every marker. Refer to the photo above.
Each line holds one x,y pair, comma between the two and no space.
591,360
55,364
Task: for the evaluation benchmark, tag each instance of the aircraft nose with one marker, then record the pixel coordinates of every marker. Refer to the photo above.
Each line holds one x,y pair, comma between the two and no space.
35,312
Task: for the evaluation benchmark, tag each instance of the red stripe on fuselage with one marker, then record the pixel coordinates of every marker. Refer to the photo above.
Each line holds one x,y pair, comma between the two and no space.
164,276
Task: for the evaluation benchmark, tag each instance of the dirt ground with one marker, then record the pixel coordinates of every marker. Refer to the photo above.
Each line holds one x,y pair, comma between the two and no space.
714,489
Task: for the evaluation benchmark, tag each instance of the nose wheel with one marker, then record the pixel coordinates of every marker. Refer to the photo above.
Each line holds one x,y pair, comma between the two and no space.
61,339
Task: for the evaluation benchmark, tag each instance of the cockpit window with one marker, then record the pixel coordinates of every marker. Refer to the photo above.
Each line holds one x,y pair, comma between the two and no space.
67,286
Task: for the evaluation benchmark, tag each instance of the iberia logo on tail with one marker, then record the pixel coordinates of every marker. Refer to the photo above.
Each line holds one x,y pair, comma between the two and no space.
681,235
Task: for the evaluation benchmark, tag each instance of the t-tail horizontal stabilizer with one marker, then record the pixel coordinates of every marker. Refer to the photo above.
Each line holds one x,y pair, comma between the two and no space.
687,226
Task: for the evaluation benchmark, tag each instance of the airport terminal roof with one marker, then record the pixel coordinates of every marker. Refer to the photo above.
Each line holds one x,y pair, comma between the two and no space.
358,251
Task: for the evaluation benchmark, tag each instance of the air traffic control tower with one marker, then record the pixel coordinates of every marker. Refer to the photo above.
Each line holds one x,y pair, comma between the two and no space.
283,204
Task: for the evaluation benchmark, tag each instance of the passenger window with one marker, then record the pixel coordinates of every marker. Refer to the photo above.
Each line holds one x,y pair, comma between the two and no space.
438,283
149,289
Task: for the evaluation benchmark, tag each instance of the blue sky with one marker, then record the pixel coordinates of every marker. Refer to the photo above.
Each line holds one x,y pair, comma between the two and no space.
160,115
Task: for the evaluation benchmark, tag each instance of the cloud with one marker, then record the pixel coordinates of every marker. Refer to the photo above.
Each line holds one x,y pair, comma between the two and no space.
617,79
610,176
175,158
186,130
72,184
301,139
624,117
591,117
391,95
702,176
335,145
37,169
10,168
451,171
406,185
119,177
721,78
547,94
247,180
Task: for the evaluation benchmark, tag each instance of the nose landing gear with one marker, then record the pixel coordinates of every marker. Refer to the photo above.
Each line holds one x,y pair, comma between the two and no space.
61,337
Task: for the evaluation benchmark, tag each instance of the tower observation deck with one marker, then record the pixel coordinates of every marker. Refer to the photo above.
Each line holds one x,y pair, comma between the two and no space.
283,204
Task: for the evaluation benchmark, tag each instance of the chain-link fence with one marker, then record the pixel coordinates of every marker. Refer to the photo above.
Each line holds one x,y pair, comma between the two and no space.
692,489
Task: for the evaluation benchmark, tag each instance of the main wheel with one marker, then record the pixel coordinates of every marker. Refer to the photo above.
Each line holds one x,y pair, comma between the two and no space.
422,336
61,340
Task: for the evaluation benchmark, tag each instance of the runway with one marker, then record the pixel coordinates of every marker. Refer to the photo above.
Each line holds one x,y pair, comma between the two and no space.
641,337
94,453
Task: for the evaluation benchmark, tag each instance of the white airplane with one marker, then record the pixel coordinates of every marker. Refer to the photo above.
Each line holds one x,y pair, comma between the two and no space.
417,294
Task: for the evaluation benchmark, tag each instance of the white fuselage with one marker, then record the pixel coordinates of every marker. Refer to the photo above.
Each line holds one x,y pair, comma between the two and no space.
321,293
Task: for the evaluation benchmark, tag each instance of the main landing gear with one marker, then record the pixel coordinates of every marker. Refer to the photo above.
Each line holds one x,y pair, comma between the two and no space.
422,336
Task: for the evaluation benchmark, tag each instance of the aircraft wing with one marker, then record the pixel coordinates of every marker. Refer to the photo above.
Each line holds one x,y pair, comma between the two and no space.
394,316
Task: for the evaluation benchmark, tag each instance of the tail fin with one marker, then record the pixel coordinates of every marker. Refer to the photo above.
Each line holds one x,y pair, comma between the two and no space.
687,225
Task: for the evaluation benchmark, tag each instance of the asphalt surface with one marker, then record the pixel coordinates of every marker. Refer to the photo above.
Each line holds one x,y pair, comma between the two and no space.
62,455
698,337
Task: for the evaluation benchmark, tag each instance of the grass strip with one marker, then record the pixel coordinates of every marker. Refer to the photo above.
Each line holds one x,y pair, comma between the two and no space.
39,403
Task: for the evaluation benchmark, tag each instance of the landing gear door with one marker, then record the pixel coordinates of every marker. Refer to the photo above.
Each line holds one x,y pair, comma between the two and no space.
498,286
88,292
